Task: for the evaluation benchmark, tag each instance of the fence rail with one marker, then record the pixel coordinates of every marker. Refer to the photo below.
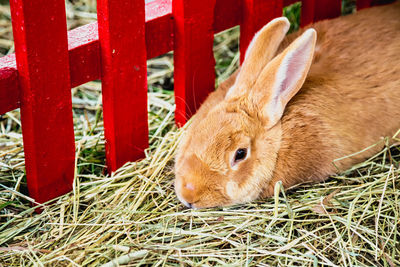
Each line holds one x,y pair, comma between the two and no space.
49,61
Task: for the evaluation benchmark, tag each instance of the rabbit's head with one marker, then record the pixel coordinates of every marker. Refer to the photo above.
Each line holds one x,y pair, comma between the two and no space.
229,156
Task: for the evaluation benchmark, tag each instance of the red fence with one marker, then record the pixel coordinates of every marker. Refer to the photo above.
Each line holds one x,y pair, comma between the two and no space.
49,61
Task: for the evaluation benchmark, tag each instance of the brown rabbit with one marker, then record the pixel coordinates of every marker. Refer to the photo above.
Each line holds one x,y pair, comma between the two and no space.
258,127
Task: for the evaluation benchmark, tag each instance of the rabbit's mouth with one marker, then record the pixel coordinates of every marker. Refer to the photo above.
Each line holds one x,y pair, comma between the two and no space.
198,198
184,202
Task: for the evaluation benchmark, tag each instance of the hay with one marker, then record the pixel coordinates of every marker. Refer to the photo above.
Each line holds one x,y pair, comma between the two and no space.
133,216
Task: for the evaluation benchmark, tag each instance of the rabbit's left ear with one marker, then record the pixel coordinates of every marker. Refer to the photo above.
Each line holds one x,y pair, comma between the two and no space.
260,51
283,77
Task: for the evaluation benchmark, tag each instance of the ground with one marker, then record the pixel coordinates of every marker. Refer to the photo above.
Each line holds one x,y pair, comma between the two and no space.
133,217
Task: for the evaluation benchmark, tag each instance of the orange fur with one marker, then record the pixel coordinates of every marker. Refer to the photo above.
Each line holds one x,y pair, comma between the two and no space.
353,83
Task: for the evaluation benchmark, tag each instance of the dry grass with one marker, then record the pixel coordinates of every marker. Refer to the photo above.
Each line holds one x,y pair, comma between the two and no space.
133,216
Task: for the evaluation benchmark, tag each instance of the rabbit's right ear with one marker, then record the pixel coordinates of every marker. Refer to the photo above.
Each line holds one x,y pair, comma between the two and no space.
283,77
260,51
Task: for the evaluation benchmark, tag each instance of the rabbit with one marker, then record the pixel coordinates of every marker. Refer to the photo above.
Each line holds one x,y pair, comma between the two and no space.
295,105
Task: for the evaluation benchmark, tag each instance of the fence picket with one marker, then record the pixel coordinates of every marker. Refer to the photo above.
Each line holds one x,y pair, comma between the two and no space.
124,79
194,73
316,10
256,13
363,4
307,12
40,35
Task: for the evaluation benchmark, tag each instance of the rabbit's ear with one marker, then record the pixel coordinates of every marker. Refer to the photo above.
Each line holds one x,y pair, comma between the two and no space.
283,77
260,51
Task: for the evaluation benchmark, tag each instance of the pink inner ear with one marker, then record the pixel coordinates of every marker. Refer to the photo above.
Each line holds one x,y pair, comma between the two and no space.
293,72
294,67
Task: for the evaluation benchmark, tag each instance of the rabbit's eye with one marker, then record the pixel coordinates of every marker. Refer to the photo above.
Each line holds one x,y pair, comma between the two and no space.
240,154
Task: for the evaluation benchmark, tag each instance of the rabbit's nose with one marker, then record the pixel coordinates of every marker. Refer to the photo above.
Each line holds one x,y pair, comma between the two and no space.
189,193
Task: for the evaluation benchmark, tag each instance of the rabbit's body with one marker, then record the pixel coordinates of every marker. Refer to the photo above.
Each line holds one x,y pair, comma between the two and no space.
350,99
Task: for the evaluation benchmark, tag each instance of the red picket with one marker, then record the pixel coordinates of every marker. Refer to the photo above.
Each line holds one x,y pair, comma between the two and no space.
307,12
327,9
363,4
124,79
256,13
194,74
315,10
40,35
227,15
367,3
289,2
